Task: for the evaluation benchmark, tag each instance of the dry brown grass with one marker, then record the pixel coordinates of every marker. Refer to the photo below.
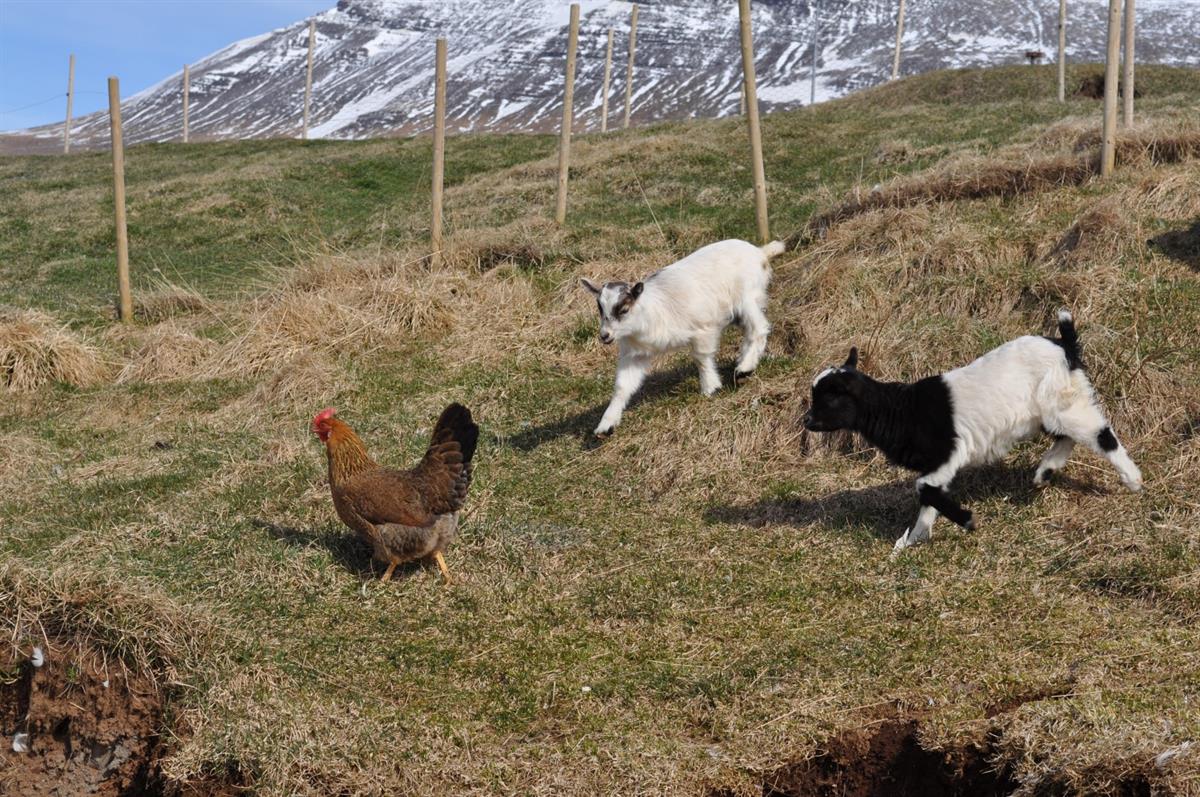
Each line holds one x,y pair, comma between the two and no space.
165,352
36,350
168,300
136,623
1021,169
341,305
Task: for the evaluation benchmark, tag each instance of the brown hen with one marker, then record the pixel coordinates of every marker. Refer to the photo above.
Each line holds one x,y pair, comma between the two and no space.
402,514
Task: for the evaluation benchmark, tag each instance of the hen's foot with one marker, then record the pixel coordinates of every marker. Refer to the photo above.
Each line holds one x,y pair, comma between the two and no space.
441,563
388,573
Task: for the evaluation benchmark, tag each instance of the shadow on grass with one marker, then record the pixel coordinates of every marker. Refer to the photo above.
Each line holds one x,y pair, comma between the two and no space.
344,548
886,510
1181,245
581,424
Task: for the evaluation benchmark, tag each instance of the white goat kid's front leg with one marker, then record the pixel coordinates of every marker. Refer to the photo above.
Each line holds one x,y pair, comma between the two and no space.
631,372
755,329
1054,459
704,350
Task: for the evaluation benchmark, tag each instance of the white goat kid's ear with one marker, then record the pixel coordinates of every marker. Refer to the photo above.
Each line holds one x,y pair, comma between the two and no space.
636,291
591,286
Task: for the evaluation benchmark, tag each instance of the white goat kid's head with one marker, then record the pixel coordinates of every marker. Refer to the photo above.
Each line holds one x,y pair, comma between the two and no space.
615,300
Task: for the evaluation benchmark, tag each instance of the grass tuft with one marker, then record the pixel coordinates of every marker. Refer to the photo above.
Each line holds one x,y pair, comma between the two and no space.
36,350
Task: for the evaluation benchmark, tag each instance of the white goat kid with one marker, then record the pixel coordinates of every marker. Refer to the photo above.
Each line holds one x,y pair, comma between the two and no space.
687,304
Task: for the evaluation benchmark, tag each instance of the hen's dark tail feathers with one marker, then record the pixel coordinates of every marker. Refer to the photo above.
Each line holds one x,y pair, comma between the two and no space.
1069,340
456,424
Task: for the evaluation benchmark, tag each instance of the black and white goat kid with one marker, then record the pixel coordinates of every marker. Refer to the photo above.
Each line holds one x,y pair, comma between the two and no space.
972,415
686,305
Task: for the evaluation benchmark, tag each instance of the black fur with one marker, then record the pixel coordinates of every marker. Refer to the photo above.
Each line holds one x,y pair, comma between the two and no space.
940,500
913,425
1106,440
1068,340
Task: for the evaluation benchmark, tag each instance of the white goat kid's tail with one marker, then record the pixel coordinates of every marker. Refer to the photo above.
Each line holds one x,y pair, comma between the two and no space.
773,248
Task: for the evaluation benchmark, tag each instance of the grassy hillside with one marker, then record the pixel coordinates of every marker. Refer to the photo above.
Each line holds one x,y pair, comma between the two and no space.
702,602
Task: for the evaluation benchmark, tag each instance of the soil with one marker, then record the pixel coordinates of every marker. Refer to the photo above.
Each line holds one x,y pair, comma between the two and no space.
1092,87
885,759
93,729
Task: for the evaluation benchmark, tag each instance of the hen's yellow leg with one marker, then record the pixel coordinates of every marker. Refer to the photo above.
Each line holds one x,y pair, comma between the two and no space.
441,563
388,573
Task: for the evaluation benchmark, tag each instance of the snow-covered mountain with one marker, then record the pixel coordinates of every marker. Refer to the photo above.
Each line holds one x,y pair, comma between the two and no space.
374,61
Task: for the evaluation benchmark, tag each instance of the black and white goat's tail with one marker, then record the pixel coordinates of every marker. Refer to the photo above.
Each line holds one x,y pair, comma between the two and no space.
1069,339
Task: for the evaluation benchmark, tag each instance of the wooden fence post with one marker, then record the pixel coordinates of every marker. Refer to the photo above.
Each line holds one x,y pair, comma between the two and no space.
629,68
125,307
312,37
564,146
899,37
1109,142
70,99
607,76
1127,72
760,180
186,81
812,85
1062,50
439,150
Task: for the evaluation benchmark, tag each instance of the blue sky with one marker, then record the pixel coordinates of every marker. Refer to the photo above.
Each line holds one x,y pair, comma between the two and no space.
139,41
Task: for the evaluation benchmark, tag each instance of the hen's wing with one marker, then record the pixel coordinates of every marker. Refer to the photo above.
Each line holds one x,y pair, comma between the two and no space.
436,486
381,496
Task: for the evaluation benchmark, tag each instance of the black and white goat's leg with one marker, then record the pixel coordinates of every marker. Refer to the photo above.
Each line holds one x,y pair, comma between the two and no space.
704,351
631,372
1054,459
939,499
1086,424
755,329
934,500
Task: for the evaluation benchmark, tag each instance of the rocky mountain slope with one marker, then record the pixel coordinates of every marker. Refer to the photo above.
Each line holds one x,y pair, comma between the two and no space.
373,72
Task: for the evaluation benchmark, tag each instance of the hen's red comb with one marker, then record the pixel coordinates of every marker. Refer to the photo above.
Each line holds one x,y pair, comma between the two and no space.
323,416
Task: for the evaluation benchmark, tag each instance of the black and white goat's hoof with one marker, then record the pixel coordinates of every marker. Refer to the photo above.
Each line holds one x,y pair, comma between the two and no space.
908,539
741,376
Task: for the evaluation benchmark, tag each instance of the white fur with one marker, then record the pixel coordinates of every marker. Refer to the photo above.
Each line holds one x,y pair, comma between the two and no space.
687,305
1011,394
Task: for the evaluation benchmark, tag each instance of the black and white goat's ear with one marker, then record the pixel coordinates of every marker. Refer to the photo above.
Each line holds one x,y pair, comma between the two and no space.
591,286
636,290
851,363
